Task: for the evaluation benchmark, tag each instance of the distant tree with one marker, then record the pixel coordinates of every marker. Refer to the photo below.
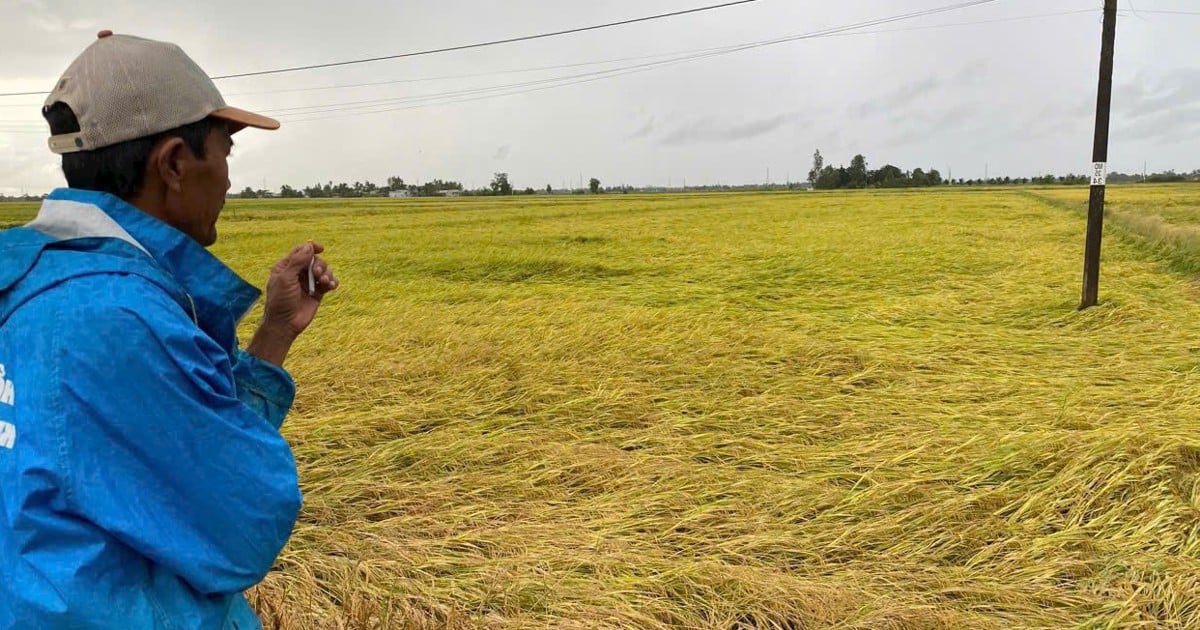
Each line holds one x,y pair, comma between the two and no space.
594,185
429,189
248,193
500,185
856,175
918,177
933,178
1166,177
529,190
818,166
395,183
549,189
889,176
287,192
829,179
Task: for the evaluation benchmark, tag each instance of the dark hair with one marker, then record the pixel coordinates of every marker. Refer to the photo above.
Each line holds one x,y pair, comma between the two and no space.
118,169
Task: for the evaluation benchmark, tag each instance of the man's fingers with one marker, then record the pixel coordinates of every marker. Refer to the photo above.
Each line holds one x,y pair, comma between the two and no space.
323,276
329,281
300,256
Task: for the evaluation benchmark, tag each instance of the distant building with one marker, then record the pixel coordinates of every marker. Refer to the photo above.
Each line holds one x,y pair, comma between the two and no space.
450,193
400,194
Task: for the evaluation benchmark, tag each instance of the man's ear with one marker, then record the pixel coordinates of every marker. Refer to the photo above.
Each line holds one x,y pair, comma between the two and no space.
168,162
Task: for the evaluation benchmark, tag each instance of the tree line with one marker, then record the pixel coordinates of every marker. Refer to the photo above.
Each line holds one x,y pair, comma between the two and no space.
821,176
825,177
500,185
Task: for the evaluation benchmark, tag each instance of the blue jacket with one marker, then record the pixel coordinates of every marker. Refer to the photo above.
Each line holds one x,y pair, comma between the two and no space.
143,479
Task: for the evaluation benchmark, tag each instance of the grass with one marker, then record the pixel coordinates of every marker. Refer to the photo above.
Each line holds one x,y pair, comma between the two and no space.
852,410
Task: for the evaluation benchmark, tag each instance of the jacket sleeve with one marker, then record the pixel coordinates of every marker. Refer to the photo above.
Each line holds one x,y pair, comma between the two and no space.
264,387
161,447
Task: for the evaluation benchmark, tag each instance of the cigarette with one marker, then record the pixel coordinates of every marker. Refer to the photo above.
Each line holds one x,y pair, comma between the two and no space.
312,282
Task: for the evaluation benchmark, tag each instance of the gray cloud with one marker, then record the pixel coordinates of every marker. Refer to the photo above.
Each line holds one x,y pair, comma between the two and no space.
972,73
925,124
1180,88
502,152
897,99
710,130
643,131
1168,126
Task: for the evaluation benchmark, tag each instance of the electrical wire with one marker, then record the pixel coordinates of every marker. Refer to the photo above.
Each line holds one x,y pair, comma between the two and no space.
473,94
1168,12
639,58
435,51
497,42
587,78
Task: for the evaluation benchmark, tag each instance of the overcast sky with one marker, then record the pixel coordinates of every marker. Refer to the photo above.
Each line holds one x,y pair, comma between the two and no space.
1016,97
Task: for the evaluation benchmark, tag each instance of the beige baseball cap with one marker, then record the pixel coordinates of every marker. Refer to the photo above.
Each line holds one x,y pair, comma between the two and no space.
123,87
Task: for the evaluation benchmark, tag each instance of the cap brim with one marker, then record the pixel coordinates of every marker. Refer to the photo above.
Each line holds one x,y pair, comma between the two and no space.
242,119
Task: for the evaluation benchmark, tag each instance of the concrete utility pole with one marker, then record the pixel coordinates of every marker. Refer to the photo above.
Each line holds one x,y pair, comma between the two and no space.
1095,226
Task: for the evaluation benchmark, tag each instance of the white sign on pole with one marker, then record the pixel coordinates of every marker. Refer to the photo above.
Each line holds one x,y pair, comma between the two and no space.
1099,173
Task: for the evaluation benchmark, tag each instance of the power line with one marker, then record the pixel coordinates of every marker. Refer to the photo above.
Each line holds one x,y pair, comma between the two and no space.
434,78
24,94
465,76
972,23
640,58
1168,12
544,35
354,108
473,94
599,75
497,42
435,51
590,63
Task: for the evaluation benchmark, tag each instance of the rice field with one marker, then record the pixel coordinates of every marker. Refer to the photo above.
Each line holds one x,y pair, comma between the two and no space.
871,410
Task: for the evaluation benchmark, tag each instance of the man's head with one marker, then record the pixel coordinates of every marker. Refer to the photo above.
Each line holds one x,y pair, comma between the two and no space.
140,120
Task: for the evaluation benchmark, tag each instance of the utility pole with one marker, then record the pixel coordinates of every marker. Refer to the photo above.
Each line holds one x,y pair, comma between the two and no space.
1095,225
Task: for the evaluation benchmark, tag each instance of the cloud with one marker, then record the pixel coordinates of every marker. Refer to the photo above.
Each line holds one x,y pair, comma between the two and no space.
643,131
1170,126
1139,99
905,95
502,152
709,130
970,74
925,124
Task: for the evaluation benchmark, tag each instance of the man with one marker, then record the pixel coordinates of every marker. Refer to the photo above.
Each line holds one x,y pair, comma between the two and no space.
143,479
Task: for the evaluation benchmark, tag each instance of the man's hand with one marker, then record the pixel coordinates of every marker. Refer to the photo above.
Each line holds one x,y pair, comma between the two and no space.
289,308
